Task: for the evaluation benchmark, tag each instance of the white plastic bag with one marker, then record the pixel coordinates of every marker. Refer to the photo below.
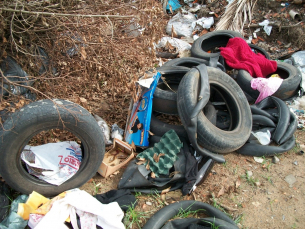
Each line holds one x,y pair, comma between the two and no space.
182,24
204,22
60,161
105,129
263,137
177,43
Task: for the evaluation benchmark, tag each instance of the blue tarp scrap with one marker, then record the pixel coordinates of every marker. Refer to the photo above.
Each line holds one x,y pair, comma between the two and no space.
174,4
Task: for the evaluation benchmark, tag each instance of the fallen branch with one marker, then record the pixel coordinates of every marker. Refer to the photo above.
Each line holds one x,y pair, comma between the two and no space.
66,15
224,206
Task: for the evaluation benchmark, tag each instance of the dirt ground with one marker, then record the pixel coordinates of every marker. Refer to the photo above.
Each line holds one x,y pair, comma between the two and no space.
263,200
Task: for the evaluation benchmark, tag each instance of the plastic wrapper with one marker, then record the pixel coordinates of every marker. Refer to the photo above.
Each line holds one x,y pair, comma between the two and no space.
182,24
263,137
266,86
116,132
14,221
105,129
205,23
54,163
177,43
298,60
267,28
14,73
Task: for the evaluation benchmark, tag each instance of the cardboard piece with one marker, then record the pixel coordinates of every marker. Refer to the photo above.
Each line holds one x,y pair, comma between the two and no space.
114,159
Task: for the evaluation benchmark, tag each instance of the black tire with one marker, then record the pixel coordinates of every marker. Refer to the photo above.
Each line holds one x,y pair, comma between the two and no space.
168,212
190,62
208,135
165,100
258,49
159,128
289,87
42,115
209,41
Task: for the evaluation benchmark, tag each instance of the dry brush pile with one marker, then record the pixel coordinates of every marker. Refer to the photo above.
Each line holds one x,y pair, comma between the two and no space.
92,51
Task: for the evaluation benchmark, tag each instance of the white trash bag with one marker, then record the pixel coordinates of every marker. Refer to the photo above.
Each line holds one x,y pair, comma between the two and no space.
58,161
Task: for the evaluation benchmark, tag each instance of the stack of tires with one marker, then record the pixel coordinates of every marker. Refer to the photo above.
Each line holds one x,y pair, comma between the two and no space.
225,122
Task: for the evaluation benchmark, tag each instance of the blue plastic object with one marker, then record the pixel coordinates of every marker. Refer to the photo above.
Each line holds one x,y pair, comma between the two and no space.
174,4
139,122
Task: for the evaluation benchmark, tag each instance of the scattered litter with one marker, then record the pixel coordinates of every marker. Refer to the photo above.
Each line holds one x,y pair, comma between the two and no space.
116,132
88,208
173,5
267,27
275,160
294,15
58,161
295,163
301,152
160,158
298,60
258,159
118,156
14,73
105,129
204,22
263,137
177,43
181,24
196,7
290,179
138,123
14,221
148,203
249,173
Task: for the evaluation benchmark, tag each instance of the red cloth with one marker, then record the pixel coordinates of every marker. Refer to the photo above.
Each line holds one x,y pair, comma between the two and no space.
238,55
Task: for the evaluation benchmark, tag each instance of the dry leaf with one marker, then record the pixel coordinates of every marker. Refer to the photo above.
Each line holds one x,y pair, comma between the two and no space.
153,175
165,190
237,184
83,100
83,53
155,157
141,159
221,192
158,158
133,146
140,162
171,9
174,33
147,166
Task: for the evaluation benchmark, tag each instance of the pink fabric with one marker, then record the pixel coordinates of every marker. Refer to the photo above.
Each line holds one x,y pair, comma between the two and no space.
238,55
266,87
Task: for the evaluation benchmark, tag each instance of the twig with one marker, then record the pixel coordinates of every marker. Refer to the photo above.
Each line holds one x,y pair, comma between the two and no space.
273,24
67,15
224,206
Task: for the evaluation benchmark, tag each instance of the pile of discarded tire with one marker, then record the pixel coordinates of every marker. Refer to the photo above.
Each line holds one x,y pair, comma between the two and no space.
215,219
216,117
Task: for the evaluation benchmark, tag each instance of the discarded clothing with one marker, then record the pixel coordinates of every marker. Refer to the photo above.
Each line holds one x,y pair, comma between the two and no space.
266,87
89,209
238,55
123,197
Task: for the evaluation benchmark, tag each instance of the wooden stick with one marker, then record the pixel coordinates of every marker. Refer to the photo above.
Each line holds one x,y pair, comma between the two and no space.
66,15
